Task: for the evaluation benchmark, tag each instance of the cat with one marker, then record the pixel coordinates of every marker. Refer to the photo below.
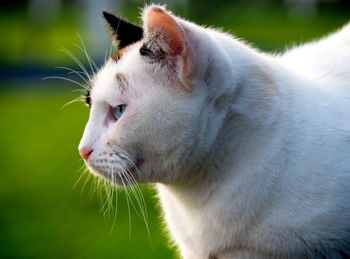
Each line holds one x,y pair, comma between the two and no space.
249,151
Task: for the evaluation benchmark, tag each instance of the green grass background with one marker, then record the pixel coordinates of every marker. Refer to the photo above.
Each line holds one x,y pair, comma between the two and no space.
41,214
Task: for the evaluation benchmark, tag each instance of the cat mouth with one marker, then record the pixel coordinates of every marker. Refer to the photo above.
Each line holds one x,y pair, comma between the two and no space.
139,163
118,175
134,170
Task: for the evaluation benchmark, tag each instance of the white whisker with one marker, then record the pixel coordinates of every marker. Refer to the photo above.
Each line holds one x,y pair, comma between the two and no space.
88,57
127,202
79,90
86,180
78,73
81,175
116,201
78,99
79,63
94,186
111,49
65,79
139,199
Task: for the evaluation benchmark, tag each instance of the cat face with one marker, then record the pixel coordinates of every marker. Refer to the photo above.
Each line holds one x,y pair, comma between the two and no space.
150,112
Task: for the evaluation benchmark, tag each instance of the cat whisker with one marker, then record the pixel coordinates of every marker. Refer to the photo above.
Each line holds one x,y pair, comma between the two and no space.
135,188
105,57
116,203
93,68
103,199
78,99
110,194
94,186
133,185
142,199
103,196
83,167
139,199
85,182
78,73
81,175
129,187
124,155
132,164
77,61
88,56
99,188
127,203
66,79
79,90
107,201
110,50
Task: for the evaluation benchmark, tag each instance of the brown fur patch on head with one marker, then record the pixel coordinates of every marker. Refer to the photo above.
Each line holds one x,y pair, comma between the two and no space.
121,82
118,54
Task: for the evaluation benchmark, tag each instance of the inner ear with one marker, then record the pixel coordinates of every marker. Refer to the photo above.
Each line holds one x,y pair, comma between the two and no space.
162,29
123,31
165,38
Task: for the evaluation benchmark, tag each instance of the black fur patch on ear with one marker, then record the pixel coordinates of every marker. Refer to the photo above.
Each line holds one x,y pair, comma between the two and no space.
123,31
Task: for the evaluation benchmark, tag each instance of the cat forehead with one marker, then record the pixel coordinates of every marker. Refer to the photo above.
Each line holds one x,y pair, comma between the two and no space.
114,77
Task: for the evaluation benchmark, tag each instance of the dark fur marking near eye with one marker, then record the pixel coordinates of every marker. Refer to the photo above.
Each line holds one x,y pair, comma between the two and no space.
87,98
152,51
144,51
121,82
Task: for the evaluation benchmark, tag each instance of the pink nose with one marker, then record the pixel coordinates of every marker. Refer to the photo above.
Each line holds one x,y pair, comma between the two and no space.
85,152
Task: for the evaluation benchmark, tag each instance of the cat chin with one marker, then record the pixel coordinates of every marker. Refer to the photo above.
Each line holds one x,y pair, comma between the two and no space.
119,176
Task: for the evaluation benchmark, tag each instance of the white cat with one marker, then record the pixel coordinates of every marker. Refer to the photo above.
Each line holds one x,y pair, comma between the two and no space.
250,152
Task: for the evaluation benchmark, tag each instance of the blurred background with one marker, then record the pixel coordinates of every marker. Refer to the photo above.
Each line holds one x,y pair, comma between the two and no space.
41,214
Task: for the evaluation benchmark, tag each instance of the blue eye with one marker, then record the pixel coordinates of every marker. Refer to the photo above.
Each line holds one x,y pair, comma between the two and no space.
118,111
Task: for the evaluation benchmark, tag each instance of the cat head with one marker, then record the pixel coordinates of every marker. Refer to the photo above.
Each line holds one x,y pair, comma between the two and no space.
154,111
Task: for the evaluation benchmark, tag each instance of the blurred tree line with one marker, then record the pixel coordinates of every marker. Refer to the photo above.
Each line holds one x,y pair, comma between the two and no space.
34,30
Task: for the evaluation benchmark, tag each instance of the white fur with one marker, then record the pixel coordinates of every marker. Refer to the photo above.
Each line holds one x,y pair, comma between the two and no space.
254,161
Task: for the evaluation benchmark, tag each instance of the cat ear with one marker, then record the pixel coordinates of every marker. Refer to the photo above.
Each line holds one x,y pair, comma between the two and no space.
123,32
165,39
162,30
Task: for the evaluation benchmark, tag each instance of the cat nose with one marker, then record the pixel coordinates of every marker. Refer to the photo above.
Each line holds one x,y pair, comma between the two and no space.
85,152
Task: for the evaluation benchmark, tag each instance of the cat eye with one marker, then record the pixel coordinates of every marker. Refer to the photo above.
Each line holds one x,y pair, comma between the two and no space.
118,111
